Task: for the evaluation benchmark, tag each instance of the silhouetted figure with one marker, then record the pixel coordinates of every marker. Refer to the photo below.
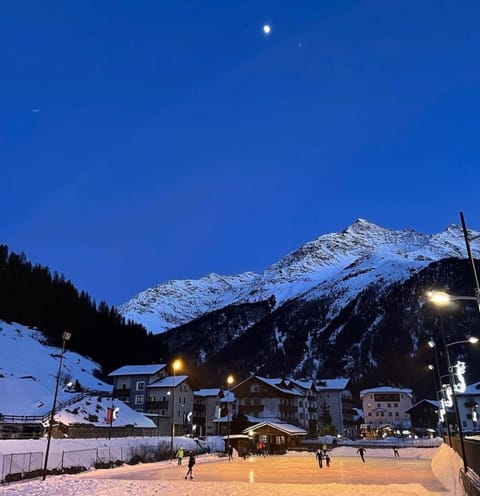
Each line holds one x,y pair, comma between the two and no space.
230,452
361,452
396,454
327,460
191,463
319,457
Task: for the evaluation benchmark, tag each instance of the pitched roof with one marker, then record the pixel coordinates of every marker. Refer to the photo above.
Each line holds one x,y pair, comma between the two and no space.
340,383
434,403
167,382
207,392
386,389
289,429
138,370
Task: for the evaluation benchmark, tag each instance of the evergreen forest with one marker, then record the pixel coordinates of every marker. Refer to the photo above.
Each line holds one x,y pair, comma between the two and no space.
31,295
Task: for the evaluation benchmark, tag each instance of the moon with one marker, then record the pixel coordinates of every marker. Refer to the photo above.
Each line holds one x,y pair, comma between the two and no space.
266,29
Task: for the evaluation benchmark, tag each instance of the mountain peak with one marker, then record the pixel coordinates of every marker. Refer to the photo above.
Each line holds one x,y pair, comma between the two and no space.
362,225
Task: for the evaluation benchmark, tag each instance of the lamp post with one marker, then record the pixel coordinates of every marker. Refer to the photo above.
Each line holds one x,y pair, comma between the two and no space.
455,400
433,346
229,382
65,337
441,298
176,365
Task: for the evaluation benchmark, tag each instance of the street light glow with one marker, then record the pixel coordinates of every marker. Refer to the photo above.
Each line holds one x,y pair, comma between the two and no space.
439,298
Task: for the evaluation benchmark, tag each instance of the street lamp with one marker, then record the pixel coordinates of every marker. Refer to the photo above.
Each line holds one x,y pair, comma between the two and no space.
177,364
229,382
65,337
454,395
441,298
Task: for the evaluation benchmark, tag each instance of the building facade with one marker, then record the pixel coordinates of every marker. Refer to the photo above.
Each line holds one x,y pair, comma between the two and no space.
386,407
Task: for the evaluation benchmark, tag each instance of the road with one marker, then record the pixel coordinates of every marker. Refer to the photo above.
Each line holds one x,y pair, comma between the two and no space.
301,469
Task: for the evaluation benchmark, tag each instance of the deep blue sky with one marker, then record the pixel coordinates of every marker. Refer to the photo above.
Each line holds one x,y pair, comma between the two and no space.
143,141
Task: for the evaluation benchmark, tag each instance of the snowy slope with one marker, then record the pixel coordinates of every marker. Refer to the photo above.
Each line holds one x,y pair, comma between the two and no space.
28,371
346,261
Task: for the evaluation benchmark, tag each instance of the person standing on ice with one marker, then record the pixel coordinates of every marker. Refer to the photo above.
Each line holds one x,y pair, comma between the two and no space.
319,457
179,455
191,463
361,452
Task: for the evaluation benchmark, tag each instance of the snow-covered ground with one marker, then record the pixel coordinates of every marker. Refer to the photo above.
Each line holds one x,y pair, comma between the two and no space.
445,465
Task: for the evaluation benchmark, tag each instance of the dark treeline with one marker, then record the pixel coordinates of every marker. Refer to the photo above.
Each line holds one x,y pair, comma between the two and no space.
32,296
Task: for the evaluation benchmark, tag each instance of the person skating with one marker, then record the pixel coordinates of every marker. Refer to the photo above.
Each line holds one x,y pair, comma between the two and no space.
361,452
327,460
179,455
396,454
319,457
191,463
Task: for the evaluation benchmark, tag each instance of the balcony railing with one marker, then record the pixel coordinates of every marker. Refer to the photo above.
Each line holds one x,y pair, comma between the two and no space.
156,405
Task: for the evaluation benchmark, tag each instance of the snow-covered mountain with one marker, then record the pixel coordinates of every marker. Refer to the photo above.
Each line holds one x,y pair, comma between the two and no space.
348,261
348,304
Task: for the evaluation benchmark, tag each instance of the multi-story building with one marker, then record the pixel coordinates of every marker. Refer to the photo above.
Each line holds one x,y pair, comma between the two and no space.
171,397
336,395
130,383
150,390
261,398
468,408
386,406
307,405
206,411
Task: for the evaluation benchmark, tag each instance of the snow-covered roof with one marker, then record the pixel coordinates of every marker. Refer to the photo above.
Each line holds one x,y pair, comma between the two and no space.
168,382
138,370
434,403
207,392
278,383
386,389
472,389
339,383
290,429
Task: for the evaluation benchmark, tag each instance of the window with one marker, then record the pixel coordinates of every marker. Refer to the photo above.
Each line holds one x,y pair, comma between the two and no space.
139,399
140,385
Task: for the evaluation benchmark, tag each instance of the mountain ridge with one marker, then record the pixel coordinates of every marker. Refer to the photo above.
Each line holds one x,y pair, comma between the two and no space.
361,248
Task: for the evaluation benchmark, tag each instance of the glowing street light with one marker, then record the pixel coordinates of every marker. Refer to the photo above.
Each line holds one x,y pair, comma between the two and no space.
229,383
65,337
176,365
441,298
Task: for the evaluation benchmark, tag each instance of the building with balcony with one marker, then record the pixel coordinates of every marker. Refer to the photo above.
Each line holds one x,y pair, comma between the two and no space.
207,409
386,406
336,395
130,382
171,395
260,398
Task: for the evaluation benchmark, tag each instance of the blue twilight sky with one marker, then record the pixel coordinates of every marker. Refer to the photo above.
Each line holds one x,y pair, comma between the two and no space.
143,141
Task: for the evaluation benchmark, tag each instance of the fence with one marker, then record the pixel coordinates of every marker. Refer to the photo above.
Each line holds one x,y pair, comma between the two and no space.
19,466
